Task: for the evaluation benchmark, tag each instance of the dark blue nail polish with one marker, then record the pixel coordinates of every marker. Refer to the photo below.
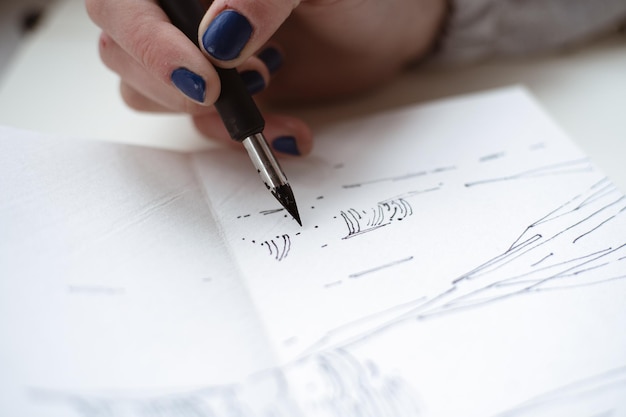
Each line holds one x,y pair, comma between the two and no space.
189,83
272,58
227,35
287,145
253,80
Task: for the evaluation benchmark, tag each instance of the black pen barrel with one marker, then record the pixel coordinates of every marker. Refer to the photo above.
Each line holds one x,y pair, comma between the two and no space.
235,105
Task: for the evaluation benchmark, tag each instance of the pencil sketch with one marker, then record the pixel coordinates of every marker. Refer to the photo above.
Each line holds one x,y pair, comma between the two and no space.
593,396
492,156
403,177
330,384
567,167
546,256
380,267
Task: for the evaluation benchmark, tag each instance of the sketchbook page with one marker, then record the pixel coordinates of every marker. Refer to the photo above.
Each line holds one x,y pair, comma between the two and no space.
112,278
457,258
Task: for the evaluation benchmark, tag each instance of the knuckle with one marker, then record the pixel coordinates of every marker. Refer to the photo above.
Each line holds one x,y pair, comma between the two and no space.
148,52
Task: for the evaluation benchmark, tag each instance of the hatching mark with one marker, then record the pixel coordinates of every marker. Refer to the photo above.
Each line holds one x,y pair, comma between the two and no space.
279,247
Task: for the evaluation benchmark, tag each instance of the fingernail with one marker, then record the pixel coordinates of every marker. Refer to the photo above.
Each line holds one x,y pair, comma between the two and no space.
190,84
227,35
272,58
253,80
286,145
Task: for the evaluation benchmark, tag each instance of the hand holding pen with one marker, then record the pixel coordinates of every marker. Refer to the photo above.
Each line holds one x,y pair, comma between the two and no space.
287,51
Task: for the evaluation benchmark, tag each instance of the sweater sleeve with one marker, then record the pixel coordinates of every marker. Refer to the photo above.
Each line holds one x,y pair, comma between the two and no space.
479,29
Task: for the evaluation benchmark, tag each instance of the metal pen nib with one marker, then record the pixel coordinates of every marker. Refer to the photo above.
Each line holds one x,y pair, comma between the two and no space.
238,111
272,175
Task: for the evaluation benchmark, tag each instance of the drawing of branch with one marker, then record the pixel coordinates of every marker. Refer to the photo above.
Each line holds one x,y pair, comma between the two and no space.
567,167
556,252
402,177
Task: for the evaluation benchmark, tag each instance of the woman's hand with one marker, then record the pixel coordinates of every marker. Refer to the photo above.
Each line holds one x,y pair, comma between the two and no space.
324,49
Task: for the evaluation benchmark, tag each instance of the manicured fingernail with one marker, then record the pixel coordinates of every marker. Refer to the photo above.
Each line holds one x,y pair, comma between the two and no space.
286,145
253,80
190,84
227,35
272,58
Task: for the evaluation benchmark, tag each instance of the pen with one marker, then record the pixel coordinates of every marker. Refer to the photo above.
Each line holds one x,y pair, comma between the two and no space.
237,109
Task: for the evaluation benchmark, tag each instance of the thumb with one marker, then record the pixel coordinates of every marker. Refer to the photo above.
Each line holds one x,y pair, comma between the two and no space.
233,30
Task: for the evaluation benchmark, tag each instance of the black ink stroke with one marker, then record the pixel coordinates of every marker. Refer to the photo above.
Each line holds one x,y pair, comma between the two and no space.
491,157
543,258
403,177
380,267
279,247
272,211
329,379
359,222
568,167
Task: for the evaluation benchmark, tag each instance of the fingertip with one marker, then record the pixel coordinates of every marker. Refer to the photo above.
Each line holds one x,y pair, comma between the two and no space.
231,31
272,57
200,89
255,75
286,135
286,145
289,136
192,85
226,35
253,80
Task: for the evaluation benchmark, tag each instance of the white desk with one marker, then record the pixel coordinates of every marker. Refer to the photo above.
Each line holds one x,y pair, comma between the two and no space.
57,84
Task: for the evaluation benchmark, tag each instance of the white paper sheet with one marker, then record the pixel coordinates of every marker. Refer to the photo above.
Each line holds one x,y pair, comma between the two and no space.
457,258
113,276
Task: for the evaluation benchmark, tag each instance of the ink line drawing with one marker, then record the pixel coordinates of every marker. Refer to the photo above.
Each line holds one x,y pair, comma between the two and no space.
403,177
381,267
272,211
348,369
567,167
543,258
279,247
329,379
491,157
359,222
584,394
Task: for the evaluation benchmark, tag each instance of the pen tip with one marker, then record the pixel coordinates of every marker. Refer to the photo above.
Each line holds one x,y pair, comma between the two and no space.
285,196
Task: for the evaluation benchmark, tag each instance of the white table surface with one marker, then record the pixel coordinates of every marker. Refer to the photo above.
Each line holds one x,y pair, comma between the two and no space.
57,84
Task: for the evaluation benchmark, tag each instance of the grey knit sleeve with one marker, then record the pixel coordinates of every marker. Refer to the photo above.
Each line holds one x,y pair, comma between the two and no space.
479,29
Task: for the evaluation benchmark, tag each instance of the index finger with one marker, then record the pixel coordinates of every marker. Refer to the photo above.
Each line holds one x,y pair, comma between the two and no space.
233,30
144,31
